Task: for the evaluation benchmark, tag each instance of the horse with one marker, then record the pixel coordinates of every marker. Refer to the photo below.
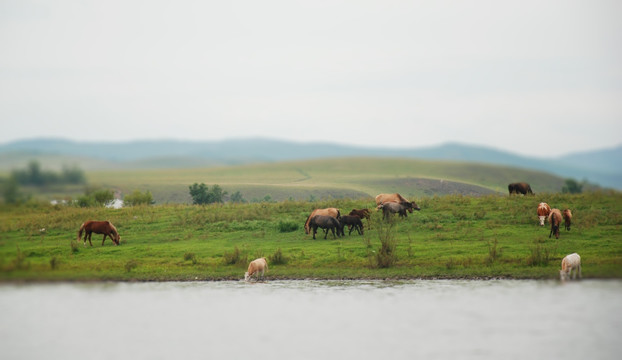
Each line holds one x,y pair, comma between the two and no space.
396,198
327,223
543,211
570,264
334,212
555,219
362,213
99,227
353,222
567,214
258,267
390,208
520,188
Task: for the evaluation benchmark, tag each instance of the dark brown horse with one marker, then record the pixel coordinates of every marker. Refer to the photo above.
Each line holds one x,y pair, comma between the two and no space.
353,222
520,188
99,227
363,214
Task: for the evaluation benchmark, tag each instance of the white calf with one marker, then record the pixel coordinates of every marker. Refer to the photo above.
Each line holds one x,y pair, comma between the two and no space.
258,267
569,263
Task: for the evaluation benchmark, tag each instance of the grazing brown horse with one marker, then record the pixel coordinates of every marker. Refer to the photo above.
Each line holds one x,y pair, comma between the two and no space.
334,212
99,227
363,214
567,218
555,218
520,188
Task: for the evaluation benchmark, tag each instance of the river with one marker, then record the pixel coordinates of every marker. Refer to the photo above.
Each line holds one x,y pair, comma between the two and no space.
419,319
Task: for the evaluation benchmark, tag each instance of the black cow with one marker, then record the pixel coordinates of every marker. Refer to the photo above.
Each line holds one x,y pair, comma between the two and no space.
520,188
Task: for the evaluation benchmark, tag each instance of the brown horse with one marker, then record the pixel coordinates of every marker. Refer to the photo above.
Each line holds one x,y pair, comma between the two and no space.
363,214
567,218
334,212
555,219
99,227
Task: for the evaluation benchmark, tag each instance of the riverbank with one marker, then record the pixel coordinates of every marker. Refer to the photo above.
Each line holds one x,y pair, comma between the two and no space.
452,237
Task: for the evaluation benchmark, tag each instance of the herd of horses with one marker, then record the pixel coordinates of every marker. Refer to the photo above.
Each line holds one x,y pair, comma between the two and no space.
330,219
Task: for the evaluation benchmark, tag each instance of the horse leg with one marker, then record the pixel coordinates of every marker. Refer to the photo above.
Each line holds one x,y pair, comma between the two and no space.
104,239
90,234
314,232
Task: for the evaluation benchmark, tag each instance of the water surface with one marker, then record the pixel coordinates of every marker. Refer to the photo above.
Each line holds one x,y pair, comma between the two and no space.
445,319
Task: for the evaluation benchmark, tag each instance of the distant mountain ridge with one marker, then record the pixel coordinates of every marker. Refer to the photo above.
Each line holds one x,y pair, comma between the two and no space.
602,167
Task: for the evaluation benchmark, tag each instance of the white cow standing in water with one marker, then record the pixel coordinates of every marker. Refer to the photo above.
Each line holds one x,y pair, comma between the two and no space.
258,267
570,263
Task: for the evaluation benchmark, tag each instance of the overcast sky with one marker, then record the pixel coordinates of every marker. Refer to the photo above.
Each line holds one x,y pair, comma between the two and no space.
537,77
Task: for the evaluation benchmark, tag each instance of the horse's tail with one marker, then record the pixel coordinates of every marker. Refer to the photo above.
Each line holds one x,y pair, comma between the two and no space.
80,231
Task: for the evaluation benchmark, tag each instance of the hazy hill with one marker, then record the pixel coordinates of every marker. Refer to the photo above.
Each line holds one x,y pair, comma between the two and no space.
601,167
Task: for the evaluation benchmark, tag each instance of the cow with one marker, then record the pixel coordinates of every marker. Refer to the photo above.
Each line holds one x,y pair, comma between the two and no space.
353,222
570,264
567,214
334,212
256,267
520,188
555,219
390,208
543,212
327,223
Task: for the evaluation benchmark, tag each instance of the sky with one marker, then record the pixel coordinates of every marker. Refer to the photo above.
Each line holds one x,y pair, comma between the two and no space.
537,78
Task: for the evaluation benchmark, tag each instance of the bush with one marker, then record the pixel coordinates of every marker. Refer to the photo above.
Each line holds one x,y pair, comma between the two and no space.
287,226
201,194
277,258
386,255
234,257
190,256
137,198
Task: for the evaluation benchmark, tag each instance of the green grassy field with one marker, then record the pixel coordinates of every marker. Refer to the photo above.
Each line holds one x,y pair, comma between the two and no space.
328,179
452,236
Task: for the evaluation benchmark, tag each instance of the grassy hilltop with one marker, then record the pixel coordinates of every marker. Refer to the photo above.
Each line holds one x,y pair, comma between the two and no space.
329,178
452,236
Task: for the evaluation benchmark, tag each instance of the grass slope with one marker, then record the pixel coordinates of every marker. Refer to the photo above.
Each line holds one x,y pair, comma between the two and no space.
329,178
452,236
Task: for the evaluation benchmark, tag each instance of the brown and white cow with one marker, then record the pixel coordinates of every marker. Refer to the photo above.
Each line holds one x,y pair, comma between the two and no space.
570,264
543,212
567,214
257,267
334,212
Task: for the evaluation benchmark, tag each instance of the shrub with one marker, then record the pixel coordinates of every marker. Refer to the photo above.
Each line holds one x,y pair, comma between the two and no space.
386,255
234,257
190,256
130,265
277,258
287,226
137,198
493,252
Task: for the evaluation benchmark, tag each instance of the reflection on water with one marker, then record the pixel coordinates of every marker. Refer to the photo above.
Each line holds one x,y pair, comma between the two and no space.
443,319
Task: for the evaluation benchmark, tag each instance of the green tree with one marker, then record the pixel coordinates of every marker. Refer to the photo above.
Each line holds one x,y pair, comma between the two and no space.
198,193
201,194
138,198
11,191
572,186
237,197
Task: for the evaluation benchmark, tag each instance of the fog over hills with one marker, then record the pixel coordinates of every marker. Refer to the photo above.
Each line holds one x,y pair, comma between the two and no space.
602,167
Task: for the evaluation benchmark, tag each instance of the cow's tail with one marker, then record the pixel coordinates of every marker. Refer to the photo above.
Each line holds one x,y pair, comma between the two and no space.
80,232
